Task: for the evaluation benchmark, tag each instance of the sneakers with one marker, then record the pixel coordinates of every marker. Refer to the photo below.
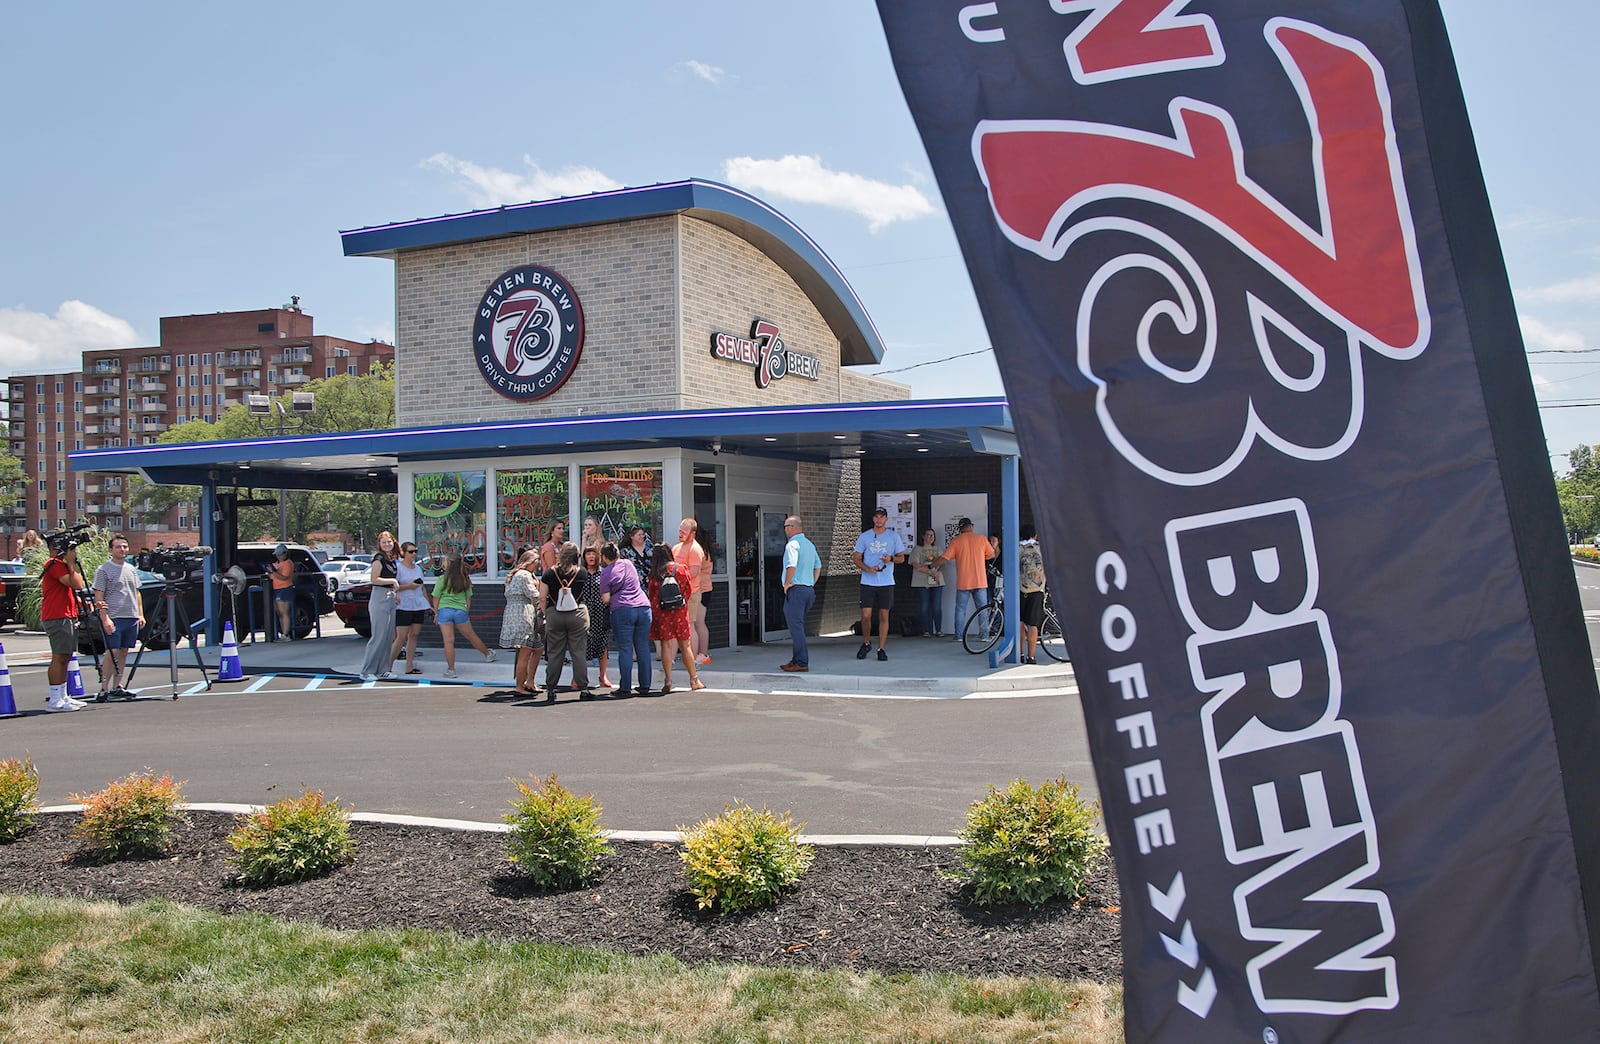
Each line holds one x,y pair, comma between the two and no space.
702,660
386,675
882,655
369,677
67,703
451,672
861,653
490,657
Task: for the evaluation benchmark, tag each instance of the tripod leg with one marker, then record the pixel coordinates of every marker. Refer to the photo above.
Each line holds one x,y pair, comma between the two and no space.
194,647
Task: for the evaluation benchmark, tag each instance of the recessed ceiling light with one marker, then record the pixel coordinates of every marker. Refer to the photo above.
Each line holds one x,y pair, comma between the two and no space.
913,434
922,449
841,437
499,447
771,438
860,449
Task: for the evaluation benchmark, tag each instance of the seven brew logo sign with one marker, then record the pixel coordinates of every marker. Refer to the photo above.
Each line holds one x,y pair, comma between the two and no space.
527,333
1224,274
767,353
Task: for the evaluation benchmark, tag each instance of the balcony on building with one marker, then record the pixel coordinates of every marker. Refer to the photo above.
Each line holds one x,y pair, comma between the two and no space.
152,426
154,364
243,380
105,366
18,447
19,390
103,388
290,356
294,378
150,407
152,384
238,360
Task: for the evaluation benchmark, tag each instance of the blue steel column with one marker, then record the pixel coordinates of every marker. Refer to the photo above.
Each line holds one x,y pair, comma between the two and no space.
1010,540
208,537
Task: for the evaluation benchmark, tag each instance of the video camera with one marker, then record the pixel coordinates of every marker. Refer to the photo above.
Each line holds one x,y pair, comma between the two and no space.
172,562
62,540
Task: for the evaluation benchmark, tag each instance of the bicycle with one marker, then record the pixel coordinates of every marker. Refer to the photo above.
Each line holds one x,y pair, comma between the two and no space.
986,624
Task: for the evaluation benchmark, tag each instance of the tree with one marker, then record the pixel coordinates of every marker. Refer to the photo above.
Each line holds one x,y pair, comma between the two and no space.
344,403
1579,493
11,479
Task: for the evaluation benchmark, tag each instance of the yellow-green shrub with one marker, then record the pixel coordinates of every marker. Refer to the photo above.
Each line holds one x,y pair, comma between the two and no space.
134,815
742,858
19,787
555,836
297,838
1028,845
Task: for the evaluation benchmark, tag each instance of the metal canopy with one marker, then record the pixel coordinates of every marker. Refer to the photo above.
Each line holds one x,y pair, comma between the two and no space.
367,461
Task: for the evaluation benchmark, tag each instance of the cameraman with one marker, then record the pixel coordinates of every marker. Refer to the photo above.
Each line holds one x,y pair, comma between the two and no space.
59,585
116,592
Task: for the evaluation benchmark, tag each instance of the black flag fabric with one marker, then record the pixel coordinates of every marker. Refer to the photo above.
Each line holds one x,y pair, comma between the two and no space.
1246,296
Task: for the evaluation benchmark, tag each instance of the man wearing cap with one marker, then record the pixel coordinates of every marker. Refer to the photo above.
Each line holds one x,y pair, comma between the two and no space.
282,573
801,567
969,550
876,552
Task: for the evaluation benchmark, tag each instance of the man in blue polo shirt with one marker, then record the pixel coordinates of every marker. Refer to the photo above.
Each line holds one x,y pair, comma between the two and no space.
801,567
876,552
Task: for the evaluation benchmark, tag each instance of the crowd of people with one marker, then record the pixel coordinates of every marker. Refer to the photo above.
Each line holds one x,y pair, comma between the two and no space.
570,602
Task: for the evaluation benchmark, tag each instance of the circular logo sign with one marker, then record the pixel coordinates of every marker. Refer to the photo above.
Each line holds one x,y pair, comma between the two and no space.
528,333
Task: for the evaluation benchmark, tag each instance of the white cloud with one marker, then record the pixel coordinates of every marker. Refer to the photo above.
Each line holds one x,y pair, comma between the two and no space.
804,179
1583,288
33,342
1537,334
492,187
712,74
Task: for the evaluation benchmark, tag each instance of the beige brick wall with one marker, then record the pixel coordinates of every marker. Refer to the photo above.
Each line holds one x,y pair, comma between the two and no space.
653,292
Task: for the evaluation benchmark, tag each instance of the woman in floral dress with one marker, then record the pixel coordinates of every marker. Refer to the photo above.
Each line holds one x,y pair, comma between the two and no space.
519,628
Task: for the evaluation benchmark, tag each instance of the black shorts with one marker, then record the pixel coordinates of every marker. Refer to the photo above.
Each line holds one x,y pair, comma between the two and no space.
410,617
1032,608
875,597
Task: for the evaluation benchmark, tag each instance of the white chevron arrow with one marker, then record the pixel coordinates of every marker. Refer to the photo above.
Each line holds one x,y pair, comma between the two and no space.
1199,998
1168,903
1186,950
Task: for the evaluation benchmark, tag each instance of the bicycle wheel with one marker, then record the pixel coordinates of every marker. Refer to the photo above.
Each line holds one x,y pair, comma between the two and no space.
1052,639
983,629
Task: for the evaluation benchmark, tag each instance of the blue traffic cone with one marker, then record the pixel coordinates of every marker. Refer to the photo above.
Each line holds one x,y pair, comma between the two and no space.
229,668
8,699
74,679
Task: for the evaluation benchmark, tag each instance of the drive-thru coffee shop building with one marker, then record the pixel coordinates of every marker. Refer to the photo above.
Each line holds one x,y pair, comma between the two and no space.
640,356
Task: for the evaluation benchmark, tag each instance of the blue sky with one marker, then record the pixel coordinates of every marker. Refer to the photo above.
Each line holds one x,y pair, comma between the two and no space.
166,159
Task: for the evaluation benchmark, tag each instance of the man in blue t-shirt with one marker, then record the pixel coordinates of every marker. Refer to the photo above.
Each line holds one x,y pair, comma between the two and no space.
876,552
801,567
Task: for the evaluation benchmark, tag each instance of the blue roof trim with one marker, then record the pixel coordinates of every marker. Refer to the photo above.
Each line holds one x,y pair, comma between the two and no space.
455,440
738,212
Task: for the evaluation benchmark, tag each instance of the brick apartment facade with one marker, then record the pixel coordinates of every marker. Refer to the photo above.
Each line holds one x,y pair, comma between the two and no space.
129,396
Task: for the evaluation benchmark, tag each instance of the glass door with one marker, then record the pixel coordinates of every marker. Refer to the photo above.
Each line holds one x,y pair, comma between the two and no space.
758,574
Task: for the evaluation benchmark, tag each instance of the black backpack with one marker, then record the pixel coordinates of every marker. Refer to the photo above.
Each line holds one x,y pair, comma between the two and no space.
670,594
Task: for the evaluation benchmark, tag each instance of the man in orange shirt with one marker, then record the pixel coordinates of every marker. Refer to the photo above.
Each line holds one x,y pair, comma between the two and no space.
688,553
969,550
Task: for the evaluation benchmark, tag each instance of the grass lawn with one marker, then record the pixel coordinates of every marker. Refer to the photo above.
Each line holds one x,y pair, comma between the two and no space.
162,972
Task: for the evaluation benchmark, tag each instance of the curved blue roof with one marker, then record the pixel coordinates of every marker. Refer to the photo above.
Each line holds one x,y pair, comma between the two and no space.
740,213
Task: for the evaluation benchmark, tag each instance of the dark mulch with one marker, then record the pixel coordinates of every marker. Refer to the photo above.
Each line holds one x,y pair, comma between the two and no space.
871,907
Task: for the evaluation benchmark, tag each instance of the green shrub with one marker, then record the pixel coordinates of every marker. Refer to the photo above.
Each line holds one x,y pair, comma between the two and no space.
743,858
555,838
91,553
134,815
1027,845
297,838
19,786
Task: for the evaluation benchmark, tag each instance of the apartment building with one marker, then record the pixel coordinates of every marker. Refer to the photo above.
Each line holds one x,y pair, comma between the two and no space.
129,396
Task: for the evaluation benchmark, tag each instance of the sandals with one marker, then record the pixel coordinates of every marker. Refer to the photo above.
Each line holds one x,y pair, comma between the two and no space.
666,688
415,670
697,684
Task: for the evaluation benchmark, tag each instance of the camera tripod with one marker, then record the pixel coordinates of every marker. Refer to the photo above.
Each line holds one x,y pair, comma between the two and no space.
172,612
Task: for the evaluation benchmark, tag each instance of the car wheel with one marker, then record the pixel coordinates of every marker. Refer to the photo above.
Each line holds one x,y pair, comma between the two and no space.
305,617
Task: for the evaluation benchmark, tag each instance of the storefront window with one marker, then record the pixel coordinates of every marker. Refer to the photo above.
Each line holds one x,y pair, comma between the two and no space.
708,500
530,502
448,515
620,495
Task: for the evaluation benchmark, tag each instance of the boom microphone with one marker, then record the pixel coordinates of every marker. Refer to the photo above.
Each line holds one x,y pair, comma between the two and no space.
201,550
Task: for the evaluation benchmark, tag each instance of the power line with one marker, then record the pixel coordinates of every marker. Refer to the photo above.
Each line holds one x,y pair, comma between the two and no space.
932,362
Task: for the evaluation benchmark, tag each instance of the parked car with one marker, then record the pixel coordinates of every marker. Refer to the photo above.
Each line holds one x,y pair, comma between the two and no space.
311,593
12,574
350,605
343,574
